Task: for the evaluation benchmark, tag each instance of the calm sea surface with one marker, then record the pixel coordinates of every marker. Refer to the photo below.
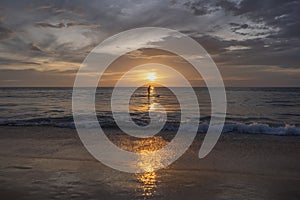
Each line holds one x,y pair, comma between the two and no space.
249,110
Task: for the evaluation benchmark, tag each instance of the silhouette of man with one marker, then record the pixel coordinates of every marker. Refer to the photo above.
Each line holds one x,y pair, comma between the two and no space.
149,90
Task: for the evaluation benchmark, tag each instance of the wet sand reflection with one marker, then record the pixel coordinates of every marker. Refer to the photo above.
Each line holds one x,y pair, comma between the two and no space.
147,184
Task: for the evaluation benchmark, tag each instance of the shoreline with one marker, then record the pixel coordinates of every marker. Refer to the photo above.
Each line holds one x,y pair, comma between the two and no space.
51,163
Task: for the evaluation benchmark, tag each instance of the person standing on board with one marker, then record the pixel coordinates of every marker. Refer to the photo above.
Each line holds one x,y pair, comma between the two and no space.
149,90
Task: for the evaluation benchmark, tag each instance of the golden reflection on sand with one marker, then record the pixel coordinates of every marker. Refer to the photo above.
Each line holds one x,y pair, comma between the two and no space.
148,181
147,184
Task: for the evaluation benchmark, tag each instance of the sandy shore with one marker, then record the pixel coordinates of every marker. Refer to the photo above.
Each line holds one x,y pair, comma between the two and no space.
51,163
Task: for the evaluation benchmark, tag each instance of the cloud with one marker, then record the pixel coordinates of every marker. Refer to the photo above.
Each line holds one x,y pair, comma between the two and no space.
59,34
200,7
237,48
5,33
281,14
49,25
6,62
260,75
59,8
35,78
64,25
35,47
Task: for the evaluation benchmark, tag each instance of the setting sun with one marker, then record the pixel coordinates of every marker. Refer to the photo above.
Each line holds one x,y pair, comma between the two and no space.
151,76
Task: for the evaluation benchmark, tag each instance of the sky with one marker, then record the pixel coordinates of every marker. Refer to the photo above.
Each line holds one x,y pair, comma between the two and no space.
254,43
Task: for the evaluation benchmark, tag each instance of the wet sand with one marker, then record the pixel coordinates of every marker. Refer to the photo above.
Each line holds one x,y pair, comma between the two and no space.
51,163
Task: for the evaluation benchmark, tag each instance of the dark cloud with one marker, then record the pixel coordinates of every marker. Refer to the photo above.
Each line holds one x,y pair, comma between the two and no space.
6,62
282,14
60,7
213,45
279,48
200,7
35,78
35,47
63,25
5,33
49,25
236,26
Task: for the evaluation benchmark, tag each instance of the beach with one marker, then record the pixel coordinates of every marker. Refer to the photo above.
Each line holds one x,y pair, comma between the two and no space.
44,162
150,100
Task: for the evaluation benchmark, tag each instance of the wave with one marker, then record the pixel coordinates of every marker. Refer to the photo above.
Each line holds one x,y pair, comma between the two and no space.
256,128
64,122
107,122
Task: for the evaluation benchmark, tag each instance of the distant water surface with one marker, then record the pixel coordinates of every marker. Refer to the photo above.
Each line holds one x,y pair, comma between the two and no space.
249,110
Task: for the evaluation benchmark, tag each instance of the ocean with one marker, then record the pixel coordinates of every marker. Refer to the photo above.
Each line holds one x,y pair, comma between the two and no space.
274,111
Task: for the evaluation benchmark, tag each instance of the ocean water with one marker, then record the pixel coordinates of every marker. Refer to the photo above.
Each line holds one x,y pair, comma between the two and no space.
249,110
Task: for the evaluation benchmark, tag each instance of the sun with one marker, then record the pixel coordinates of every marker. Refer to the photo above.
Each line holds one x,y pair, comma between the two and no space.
151,76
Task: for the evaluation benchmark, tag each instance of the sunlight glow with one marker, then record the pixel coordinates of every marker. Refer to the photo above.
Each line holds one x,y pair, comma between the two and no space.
151,76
